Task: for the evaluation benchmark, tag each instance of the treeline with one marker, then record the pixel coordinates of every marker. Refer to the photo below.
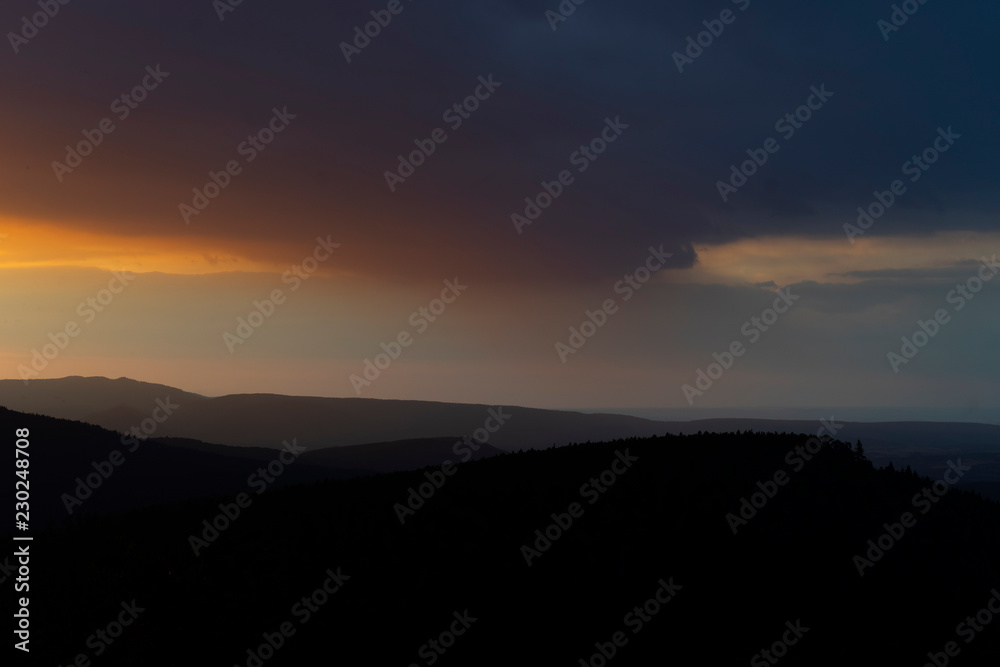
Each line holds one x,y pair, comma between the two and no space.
620,525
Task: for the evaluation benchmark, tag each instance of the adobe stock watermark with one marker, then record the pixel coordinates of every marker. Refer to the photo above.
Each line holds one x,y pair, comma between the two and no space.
635,620
263,310
797,458
968,630
465,449
435,648
753,329
303,611
103,470
258,481
88,309
248,149
924,501
627,287
122,107
958,297
454,116
900,14
713,29
591,491
223,7
787,126
779,649
420,320
31,25
581,158
561,13
6,570
915,167
381,18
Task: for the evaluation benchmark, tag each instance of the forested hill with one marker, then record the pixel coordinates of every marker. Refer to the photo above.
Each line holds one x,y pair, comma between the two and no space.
647,548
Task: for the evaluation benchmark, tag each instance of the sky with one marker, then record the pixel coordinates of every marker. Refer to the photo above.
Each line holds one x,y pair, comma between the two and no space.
651,176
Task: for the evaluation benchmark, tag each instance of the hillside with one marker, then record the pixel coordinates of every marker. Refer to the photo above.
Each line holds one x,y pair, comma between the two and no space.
266,420
656,526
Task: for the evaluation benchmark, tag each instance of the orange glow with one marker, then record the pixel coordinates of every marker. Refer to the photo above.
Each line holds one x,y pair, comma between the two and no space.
47,245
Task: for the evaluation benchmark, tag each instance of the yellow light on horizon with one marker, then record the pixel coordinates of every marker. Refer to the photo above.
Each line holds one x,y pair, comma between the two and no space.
38,244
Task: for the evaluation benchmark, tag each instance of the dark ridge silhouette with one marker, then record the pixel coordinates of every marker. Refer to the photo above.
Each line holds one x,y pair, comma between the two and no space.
372,458
402,455
65,453
989,490
265,420
662,518
78,397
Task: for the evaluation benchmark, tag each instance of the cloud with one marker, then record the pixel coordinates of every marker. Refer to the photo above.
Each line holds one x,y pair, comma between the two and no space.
657,182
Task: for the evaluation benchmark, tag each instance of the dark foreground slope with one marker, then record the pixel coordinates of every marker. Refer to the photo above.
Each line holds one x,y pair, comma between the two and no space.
661,519
77,467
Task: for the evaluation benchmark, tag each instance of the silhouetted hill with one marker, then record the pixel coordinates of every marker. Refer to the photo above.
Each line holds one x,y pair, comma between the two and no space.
401,455
80,398
989,490
660,516
370,458
65,453
78,460
265,420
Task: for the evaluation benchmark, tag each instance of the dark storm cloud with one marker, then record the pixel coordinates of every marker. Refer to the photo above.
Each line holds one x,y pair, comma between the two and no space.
957,271
655,184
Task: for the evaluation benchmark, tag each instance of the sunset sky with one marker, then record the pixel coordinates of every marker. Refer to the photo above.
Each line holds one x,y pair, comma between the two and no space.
607,65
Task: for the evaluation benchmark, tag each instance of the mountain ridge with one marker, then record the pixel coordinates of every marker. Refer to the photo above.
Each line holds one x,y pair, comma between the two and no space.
267,419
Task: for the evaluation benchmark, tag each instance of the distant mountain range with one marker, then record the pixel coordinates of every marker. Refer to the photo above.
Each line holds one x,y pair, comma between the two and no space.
974,414
266,420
